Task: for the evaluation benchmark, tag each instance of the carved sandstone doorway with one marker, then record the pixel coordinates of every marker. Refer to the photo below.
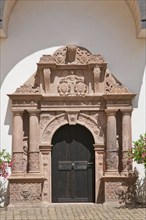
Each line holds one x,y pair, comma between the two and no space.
70,88
73,165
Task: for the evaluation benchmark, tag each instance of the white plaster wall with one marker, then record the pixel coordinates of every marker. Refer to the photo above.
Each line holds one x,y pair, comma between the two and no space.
104,27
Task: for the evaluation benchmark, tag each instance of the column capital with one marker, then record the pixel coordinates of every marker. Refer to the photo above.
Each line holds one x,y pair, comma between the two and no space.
33,112
126,111
111,112
18,112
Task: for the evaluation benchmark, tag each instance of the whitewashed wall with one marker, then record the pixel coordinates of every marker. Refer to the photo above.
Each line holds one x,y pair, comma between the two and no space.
40,27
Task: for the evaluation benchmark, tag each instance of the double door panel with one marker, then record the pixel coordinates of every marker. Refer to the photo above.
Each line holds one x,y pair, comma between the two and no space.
73,165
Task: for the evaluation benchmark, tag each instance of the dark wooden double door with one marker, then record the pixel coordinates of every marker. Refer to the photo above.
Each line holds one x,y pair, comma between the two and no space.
73,165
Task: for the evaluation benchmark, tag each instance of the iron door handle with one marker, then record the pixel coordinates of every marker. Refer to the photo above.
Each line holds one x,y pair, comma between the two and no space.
72,166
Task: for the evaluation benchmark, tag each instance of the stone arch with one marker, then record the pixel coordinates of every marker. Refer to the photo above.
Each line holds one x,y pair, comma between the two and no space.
48,130
132,4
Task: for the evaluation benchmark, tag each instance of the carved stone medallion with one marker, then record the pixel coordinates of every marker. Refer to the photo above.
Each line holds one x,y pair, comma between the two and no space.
72,85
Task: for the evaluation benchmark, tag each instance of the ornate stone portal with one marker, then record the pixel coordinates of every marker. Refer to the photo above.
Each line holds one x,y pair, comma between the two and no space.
70,87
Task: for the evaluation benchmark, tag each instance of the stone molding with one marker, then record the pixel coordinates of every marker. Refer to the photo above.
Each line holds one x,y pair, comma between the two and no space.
48,129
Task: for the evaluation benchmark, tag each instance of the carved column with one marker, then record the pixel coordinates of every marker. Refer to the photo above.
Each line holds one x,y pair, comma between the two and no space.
99,171
33,142
111,154
46,171
126,138
17,142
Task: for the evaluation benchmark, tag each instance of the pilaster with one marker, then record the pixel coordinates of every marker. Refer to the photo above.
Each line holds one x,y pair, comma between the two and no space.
45,151
126,138
111,151
99,171
17,142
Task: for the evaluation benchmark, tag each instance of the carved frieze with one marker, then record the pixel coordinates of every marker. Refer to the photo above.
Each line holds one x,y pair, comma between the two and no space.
24,103
25,192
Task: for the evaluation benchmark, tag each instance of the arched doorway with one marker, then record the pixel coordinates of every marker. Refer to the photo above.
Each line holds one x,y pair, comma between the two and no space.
73,175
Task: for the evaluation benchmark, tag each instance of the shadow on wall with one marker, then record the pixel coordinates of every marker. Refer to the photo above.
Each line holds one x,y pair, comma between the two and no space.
8,118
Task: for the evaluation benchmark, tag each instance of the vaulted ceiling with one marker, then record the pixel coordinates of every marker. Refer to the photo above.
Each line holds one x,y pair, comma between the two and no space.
137,8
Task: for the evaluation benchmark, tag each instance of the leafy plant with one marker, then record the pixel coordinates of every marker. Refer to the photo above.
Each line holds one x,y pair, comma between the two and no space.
5,163
138,152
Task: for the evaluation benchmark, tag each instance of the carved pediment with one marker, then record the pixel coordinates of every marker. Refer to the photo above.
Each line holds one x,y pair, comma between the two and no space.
71,54
72,71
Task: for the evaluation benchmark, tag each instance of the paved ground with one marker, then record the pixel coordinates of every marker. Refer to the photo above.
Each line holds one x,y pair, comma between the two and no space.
73,212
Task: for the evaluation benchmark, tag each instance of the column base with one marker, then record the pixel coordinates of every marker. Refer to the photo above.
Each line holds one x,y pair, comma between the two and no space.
124,173
117,188
25,189
112,173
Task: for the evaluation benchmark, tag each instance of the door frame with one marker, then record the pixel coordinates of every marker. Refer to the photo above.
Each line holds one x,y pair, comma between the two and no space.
46,149
46,158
